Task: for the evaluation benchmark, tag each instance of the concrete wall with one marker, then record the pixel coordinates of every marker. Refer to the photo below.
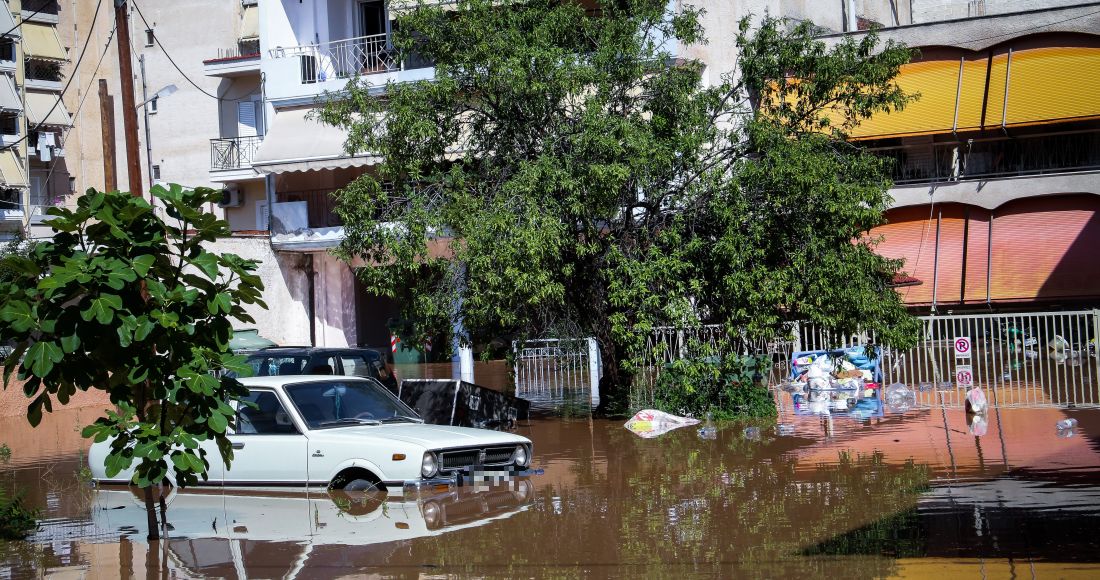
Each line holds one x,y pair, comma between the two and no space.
248,216
285,289
335,302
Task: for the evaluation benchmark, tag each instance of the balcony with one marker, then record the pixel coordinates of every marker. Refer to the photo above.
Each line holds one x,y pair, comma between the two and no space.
319,203
240,60
323,67
995,158
233,156
44,11
11,209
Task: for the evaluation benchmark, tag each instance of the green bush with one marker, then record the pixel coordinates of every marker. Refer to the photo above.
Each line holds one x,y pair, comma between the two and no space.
16,520
729,387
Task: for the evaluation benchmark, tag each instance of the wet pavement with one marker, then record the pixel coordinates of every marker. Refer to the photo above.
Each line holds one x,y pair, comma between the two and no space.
851,493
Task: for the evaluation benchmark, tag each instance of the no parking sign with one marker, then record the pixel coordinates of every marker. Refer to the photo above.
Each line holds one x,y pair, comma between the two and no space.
962,347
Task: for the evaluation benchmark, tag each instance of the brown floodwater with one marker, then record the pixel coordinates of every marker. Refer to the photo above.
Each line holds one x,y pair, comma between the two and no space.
852,493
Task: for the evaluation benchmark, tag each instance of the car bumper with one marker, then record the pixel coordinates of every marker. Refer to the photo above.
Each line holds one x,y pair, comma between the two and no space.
477,478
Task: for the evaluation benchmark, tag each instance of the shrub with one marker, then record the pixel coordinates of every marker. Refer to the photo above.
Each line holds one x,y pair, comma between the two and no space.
16,520
729,387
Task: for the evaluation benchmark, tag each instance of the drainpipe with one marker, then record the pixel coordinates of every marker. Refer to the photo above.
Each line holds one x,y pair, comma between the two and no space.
989,263
850,15
1004,103
311,304
936,261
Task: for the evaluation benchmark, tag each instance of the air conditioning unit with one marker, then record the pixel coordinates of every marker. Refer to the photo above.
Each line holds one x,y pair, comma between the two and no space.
231,197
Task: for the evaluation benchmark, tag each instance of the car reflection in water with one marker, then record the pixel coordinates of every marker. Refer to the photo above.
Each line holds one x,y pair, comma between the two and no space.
264,533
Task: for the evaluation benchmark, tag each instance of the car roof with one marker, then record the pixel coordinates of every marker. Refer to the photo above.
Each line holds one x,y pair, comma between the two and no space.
304,350
281,380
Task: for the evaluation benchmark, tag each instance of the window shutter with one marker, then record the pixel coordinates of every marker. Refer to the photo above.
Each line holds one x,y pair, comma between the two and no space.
246,119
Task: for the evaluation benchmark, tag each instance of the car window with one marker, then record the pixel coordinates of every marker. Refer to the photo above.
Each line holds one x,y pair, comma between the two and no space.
356,365
266,415
322,365
270,366
329,402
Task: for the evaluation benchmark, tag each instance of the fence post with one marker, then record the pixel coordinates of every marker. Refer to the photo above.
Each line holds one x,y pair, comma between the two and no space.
594,368
1096,337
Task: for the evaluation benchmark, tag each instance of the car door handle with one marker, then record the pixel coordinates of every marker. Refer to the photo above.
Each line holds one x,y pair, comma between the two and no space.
238,446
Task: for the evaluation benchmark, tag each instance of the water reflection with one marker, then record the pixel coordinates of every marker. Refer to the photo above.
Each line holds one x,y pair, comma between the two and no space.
892,494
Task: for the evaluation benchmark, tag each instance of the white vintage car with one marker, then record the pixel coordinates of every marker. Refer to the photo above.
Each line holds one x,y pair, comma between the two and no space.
345,433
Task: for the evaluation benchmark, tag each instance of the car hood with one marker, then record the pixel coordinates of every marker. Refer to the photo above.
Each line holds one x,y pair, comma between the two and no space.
427,436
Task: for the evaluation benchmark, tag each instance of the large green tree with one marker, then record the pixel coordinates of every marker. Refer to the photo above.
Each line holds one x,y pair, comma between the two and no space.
584,181
123,301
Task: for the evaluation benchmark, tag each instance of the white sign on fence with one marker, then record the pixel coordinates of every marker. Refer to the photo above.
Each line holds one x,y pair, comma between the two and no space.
962,347
964,376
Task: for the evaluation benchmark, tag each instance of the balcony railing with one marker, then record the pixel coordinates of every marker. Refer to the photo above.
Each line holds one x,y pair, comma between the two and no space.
233,152
346,58
994,158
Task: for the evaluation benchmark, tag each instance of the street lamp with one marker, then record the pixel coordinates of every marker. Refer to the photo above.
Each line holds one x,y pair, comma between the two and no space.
161,93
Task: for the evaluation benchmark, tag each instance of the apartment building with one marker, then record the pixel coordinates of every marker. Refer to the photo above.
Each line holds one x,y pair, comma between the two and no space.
34,173
985,152
995,203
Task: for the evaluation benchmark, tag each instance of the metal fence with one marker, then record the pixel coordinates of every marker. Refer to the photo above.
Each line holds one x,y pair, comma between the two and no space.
234,152
1025,359
343,59
549,369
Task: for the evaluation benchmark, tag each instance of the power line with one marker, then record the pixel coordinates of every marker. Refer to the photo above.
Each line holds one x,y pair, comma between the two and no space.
156,39
84,49
23,19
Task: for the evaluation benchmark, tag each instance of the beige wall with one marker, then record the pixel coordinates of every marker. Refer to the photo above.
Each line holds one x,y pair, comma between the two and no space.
246,218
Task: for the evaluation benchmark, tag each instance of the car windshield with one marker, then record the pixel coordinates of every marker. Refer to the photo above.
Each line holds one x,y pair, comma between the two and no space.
273,365
343,403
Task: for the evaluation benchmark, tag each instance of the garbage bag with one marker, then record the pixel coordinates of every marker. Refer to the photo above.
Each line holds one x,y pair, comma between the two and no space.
975,401
899,398
649,423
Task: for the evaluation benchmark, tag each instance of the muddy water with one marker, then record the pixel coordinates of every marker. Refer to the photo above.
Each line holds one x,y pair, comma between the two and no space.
919,494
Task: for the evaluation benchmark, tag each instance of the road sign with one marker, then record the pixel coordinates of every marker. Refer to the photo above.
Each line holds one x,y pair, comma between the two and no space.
962,347
964,376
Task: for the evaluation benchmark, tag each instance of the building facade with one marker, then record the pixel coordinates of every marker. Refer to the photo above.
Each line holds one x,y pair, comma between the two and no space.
995,203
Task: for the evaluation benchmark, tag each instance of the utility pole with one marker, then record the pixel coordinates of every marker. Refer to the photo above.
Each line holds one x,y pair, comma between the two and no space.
129,111
107,126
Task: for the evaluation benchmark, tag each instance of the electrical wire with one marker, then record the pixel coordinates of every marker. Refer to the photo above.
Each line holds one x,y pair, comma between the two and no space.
23,19
68,83
156,39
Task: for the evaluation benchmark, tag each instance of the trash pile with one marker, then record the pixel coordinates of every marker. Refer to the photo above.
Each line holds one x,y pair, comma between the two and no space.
824,382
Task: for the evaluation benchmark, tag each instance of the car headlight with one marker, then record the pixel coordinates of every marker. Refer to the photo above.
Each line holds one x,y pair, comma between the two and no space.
431,515
520,457
428,466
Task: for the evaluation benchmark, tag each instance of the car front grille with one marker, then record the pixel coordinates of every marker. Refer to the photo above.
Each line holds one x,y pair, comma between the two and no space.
465,458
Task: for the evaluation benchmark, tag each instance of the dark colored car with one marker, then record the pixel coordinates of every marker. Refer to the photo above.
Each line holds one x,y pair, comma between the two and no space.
306,360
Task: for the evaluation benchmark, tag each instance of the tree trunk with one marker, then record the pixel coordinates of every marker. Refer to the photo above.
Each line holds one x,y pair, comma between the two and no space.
615,383
151,515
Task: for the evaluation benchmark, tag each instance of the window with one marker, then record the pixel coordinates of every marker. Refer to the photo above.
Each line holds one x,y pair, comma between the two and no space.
359,366
156,172
7,50
72,184
266,416
150,38
9,124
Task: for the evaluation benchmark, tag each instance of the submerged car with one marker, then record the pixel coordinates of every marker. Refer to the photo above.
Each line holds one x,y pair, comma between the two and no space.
345,433
308,360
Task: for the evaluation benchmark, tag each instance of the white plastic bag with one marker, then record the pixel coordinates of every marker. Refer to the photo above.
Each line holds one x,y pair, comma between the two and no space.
649,423
975,401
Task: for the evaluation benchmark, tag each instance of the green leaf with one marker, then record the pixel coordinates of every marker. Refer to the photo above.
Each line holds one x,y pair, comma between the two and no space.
143,263
218,422
18,313
208,263
70,343
42,356
102,308
115,463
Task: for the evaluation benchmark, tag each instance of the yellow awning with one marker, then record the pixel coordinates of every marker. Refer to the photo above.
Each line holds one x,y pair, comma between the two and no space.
942,84
1044,85
41,41
250,23
10,171
39,107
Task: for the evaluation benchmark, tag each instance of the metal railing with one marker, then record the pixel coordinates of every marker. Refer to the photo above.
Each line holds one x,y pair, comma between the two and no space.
342,59
1025,359
993,158
234,152
244,49
548,369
